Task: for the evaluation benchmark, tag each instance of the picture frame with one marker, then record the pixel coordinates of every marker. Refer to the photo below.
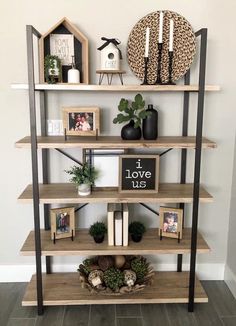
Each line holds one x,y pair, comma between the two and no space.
81,121
138,173
171,222
62,222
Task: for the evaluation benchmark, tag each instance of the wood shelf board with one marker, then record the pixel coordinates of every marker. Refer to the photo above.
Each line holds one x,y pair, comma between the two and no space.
84,244
114,142
67,193
116,88
65,289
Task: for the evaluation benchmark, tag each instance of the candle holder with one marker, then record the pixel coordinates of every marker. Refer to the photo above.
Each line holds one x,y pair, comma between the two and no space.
171,56
145,81
158,80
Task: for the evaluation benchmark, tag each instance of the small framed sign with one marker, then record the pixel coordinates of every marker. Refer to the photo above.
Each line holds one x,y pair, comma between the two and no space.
171,220
139,173
62,222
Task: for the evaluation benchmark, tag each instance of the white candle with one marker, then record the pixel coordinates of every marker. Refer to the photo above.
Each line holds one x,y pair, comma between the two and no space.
147,42
161,27
171,35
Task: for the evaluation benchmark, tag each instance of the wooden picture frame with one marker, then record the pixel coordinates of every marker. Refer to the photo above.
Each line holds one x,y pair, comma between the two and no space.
140,181
171,222
77,119
62,222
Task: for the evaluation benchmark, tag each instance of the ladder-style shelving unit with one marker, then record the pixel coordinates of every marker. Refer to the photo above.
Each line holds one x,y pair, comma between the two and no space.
64,288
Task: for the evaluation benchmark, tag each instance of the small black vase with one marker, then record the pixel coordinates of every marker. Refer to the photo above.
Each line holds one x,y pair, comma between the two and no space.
128,132
99,238
150,130
136,237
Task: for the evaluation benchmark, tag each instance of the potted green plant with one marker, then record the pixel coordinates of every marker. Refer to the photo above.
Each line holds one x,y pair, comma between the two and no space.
98,230
133,113
52,69
136,230
84,177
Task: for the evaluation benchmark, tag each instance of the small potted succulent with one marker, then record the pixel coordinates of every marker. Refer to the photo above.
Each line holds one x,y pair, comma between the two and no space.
113,278
140,266
98,231
52,69
133,113
84,177
136,229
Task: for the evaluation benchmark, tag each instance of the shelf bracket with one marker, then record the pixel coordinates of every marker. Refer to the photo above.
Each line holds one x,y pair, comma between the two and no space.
69,156
149,208
165,152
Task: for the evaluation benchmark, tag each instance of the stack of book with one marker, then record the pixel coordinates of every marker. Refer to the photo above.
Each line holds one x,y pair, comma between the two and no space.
118,224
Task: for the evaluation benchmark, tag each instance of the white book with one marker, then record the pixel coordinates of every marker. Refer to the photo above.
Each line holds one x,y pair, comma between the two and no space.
118,228
125,224
111,208
110,224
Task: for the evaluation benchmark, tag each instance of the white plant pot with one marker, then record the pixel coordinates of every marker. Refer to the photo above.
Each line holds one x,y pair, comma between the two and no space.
84,189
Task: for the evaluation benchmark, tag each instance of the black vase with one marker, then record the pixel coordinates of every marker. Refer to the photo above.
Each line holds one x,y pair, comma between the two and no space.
99,238
128,132
136,237
150,130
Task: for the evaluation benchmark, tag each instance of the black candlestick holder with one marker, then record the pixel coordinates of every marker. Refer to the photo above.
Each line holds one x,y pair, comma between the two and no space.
171,56
158,80
145,81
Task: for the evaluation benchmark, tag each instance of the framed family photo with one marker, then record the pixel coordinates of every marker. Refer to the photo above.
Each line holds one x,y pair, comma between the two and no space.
62,222
81,121
171,221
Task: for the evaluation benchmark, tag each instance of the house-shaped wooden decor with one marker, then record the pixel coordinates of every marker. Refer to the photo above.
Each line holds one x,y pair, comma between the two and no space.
65,40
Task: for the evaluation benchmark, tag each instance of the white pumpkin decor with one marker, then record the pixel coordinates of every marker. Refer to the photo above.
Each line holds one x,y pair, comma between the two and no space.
110,54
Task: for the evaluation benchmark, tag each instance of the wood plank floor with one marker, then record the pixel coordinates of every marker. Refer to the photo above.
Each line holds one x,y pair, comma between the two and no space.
221,310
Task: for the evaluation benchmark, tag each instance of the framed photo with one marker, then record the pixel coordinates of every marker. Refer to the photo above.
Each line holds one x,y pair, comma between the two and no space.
81,121
171,220
138,173
62,222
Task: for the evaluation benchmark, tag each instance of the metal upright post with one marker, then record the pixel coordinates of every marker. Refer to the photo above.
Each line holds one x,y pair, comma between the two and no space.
184,153
45,168
33,132
201,94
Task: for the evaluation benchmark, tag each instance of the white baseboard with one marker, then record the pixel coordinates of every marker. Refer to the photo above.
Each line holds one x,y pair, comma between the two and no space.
23,273
230,280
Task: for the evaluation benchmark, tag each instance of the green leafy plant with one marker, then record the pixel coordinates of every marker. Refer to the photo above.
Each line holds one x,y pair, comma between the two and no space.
97,229
134,112
51,63
140,267
113,278
137,228
85,174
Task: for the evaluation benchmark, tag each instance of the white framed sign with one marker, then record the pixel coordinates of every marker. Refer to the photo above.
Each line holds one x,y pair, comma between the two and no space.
62,45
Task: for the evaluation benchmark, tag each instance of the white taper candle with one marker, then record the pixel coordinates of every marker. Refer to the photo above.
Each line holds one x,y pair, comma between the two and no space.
147,42
171,35
161,27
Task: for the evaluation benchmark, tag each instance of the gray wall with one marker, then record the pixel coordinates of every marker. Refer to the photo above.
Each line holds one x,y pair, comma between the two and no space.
230,271
116,18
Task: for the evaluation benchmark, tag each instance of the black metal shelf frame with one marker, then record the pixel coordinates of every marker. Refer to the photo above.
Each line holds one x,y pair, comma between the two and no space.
31,32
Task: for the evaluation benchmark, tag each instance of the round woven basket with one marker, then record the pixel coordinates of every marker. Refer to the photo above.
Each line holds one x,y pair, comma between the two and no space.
184,47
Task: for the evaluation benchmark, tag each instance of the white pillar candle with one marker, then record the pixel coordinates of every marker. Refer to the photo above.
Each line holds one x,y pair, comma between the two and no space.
171,35
147,42
161,27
